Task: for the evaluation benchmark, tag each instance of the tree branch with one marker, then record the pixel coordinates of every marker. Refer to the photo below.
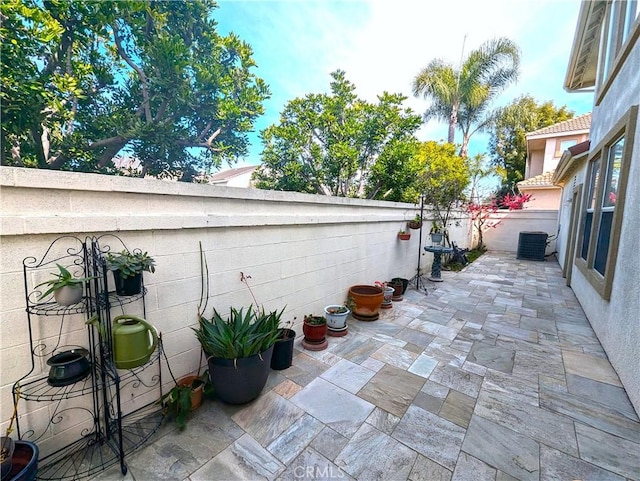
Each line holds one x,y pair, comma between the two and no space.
140,72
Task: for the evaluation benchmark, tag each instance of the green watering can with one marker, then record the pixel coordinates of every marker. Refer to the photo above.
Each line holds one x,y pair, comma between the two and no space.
134,340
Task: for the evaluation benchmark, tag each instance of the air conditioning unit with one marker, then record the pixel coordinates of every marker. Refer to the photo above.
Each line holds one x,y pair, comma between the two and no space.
531,246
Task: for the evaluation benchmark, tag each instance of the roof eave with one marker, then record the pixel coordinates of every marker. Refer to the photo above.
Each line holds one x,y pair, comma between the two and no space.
583,60
566,133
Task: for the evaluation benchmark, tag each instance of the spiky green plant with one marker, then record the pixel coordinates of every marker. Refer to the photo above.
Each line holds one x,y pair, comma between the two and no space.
243,334
61,279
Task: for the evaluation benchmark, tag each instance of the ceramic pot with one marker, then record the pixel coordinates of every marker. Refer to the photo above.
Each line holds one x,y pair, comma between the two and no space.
24,462
68,367
404,282
404,236
387,297
7,446
314,333
68,295
367,301
238,381
336,320
436,237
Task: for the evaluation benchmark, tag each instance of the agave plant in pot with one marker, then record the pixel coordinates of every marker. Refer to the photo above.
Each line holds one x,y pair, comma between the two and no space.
127,268
239,349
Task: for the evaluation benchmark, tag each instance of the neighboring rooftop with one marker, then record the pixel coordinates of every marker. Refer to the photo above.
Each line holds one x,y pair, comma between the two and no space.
541,180
225,175
580,123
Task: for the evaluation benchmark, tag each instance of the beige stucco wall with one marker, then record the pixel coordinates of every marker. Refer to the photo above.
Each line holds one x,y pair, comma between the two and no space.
542,198
302,251
616,321
505,236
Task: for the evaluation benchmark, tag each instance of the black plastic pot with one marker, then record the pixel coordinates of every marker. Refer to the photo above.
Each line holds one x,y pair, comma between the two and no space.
127,286
283,350
405,283
24,462
238,381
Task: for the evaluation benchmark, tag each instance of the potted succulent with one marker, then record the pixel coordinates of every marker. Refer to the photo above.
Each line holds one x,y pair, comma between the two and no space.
336,316
186,396
436,233
366,301
404,235
397,288
283,348
315,333
239,349
416,222
127,268
66,289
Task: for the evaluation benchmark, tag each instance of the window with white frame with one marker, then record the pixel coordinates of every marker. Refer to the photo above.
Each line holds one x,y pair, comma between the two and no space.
601,219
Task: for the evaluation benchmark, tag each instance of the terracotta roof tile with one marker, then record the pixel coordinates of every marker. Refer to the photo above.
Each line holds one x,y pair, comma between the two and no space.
582,122
541,180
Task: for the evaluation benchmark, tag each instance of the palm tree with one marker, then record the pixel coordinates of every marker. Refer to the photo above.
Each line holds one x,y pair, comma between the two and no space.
461,95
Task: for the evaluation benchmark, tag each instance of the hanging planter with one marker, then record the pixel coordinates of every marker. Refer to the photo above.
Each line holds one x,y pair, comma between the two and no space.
415,223
403,235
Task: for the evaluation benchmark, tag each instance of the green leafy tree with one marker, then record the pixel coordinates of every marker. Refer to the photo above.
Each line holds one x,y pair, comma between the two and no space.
337,144
84,83
462,95
443,180
508,144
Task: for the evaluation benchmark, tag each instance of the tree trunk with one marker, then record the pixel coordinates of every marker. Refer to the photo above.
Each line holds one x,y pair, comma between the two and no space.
453,120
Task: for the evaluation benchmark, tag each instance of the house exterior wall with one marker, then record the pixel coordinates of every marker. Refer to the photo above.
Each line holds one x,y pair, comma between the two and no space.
505,236
242,180
542,199
301,251
616,321
535,165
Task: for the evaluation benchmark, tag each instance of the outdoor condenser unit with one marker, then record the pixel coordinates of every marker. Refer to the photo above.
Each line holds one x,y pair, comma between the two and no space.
531,246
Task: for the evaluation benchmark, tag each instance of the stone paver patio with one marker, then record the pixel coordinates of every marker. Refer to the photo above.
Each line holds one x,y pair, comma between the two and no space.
494,375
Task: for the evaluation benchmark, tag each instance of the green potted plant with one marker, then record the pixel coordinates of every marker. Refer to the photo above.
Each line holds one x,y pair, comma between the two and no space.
127,268
416,222
239,349
186,396
436,233
336,316
404,235
315,333
66,289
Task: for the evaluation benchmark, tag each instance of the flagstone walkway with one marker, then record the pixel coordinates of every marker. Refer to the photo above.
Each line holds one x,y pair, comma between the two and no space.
494,375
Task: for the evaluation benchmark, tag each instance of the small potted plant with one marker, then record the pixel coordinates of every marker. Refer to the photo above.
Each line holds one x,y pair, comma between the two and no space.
416,222
66,289
127,268
404,235
186,396
387,295
336,316
283,348
436,233
315,332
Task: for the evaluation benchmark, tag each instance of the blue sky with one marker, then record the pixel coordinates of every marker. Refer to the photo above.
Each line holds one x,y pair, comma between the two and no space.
383,44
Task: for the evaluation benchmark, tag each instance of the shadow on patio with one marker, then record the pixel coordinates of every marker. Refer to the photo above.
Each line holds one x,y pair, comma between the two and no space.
494,375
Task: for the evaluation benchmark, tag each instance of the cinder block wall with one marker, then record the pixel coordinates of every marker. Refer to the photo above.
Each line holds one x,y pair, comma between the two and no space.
301,251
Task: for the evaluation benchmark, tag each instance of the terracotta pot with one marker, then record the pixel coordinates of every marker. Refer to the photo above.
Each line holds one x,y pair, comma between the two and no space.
196,394
404,236
414,224
314,333
367,301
